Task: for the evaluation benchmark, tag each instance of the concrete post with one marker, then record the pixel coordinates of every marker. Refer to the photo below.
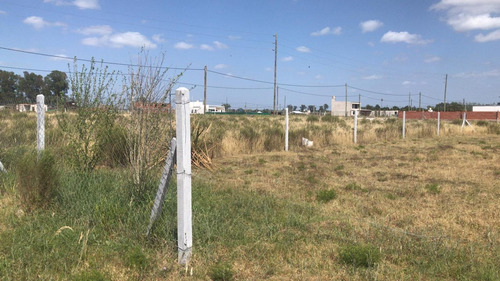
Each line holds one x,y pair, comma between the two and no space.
163,186
464,120
355,126
404,124
184,209
286,129
40,123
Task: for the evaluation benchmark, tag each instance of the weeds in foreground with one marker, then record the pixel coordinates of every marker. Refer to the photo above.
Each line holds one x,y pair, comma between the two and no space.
37,180
360,255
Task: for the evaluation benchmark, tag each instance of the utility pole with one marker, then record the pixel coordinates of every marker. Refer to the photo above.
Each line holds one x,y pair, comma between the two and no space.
445,86
275,68
465,107
409,101
359,100
420,101
345,99
205,92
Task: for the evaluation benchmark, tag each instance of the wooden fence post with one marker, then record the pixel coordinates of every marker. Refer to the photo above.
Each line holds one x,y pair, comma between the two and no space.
184,210
355,126
439,123
286,129
40,123
404,124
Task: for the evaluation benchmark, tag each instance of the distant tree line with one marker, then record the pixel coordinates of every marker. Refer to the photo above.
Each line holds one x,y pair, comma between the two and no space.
15,88
452,106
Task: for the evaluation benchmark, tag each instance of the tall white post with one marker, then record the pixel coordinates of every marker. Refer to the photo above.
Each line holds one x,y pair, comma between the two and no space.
40,123
184,210
355,126
439,122
286,129
464,120
404,124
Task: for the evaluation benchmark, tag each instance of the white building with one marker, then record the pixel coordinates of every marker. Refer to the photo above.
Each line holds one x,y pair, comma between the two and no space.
486,108
25,107
339,107
197,108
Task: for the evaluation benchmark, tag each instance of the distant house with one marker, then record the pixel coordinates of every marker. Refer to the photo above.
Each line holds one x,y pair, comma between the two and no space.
486,108
26,107
197,108
339,107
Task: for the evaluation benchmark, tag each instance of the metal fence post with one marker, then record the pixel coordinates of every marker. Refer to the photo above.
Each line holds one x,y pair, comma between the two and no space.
184,209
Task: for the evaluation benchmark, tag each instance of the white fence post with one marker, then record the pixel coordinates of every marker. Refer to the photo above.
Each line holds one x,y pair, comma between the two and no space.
184,210
286,129
40,123
163,186
404,124
439,122
355,126
2,169
464,120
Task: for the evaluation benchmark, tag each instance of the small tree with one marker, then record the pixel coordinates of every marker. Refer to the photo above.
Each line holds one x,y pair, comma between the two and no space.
226,106
149,127
303,107
92,90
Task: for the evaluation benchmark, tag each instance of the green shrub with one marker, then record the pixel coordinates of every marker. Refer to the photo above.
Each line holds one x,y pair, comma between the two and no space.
353,186
360,255
37,180
137,259
494,128
433,188
91,275
326,195
482,123
312,118
274,138
221,271
114,148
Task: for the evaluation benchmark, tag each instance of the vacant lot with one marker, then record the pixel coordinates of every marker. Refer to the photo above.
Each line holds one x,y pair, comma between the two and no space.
423,208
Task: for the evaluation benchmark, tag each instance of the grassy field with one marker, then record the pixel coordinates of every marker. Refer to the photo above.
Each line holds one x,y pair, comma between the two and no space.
423,208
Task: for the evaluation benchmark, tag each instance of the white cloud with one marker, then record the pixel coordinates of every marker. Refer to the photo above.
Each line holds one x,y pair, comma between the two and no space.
471,15
158,38
403,37
232,37
220,45
220,66
492,36
86,4
370,25
303,49
206,47
60,57
373,77
183,46
39,22
289,58
268,69
327,30
96,30
81,4
131,39
3,12
432,59
407,83
318,77
119,40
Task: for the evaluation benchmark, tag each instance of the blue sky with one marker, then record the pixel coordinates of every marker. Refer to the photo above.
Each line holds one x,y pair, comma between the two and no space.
382,49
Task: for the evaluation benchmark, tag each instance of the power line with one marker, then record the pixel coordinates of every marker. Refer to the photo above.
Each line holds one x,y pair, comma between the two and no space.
92,60
374,92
